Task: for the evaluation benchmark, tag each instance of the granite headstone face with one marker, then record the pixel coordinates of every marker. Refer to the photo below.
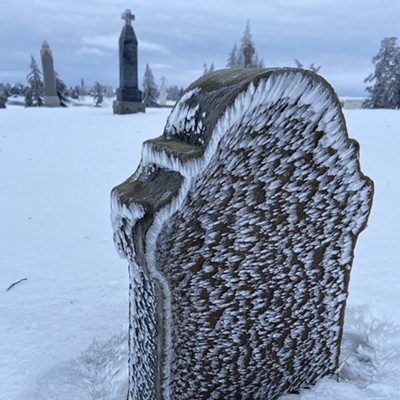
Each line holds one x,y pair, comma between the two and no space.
129,97
239,227
49,77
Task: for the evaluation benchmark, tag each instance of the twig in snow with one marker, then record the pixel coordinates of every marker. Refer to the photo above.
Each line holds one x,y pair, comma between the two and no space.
16,283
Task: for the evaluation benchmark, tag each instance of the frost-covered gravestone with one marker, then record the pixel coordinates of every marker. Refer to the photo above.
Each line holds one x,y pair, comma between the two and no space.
239,227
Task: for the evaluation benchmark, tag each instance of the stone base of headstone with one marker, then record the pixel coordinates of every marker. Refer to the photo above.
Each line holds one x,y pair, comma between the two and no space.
128,107
51,101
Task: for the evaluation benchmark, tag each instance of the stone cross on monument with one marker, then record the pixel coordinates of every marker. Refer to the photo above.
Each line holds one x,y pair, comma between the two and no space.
129,97
128,17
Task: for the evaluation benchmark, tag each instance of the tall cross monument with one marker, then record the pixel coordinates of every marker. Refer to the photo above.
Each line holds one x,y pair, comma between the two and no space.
129,97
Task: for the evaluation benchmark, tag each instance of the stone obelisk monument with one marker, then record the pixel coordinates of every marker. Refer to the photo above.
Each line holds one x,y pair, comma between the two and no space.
49,77
129,97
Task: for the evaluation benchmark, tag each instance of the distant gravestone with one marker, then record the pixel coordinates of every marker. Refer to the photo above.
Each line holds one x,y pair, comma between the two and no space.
129,97
49,77
239,227
162,98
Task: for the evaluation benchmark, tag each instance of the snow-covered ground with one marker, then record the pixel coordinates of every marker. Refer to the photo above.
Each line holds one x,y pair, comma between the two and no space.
63,329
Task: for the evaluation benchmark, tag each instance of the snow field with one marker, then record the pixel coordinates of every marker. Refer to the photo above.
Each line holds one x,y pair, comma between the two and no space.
63,330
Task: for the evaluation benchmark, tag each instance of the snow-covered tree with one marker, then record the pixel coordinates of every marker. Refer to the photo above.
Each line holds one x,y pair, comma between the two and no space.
245,56
62,92
258,62
207,70
232,58
4,93
83,90
98,91
17,89
150,91
312,67
385,89
173,93
247,50
34,94
109,91
74,92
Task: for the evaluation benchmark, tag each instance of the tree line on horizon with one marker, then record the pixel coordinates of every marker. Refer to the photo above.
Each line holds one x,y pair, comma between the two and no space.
33,91
150,93
383,91
246,56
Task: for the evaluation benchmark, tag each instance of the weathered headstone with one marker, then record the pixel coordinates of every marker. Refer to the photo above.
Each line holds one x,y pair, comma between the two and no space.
49,77
129,97
239,227
162,98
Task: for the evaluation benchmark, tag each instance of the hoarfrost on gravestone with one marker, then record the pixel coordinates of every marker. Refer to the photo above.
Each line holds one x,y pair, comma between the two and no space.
239,227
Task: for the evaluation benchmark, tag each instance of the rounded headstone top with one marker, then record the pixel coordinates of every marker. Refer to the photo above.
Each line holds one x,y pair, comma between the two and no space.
206,100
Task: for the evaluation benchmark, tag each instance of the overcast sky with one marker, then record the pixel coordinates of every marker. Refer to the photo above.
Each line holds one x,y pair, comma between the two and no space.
176,37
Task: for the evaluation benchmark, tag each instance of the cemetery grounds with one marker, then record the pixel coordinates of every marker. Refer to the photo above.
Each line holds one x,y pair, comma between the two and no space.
63,325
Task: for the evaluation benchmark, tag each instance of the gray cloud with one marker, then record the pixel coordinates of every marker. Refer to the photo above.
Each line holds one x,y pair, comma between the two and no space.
108,42
92,51
340,35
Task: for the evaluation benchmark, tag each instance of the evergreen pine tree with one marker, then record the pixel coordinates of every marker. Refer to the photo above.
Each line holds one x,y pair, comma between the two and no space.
74,92
232,58
34,93
17,89
258,62
208,70
298,63
83,89
205,69
109,91
150,91
312,67
173,93
246,56
62,92
385,89
98,97
4,93
247,49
